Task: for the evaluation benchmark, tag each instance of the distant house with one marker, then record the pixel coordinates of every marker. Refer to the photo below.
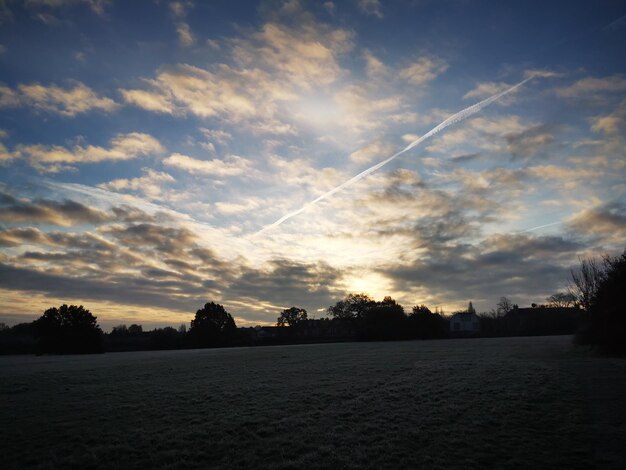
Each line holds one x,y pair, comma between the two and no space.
464,324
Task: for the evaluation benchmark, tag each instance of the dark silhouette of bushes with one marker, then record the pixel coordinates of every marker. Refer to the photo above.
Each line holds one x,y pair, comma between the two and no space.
68,330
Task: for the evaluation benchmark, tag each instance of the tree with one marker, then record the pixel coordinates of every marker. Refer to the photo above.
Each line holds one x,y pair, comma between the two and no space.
504,306
420,310
68,329
586,280
291,316
135,330
212,326
561,299
422,323
352,307
383,320
605,317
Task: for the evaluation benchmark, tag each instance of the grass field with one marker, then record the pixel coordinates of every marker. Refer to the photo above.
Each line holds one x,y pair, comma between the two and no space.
475,403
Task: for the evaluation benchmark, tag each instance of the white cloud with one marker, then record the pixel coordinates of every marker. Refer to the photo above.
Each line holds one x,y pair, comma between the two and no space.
151,184
374,67
148,100
235,208
606,124
375,150
485,89
8,98
424,70
230,166
53,158
185,37
592,85
216,135
66,102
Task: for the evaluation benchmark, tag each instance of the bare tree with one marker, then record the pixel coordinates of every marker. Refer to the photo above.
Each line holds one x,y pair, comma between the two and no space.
504,306
561,299
586,280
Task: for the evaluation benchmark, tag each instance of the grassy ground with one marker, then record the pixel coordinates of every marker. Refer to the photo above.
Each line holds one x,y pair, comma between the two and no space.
499,403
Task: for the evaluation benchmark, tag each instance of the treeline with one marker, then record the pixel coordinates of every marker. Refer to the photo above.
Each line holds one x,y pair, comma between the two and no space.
594,309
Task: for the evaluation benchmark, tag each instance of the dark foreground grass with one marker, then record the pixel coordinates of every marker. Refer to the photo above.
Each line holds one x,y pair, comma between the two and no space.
484,403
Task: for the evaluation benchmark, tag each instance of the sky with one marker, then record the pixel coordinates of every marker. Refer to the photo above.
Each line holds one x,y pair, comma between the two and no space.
148,148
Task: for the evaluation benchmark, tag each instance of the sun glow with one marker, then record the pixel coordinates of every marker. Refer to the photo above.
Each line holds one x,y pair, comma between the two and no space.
372,284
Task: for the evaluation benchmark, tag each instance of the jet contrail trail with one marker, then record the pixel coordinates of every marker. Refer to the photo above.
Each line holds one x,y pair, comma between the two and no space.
461,115
540,226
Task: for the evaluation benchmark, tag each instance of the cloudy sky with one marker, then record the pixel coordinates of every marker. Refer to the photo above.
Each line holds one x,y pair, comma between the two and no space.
144,145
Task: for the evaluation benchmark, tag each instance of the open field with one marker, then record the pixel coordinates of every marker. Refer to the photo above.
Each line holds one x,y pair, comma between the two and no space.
500,403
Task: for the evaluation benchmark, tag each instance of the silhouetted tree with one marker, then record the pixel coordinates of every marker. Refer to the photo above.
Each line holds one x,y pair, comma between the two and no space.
561,299
68,329
504,306
352,307
135,330
423,324
291,316
119,330
384,320
212,326
586,280
605,317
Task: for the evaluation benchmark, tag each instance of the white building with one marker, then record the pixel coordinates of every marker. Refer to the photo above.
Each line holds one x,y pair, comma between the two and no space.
464,323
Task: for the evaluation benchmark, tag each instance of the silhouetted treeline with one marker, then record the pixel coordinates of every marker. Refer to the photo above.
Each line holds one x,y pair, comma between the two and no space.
594,307
359,317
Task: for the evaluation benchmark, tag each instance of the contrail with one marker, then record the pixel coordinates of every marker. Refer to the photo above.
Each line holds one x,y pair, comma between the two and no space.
540,226
461,115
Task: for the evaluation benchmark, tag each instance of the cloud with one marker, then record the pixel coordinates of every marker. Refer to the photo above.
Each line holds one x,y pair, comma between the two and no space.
43,211
66,102
606,222
610,124
375,150
423,71
374,67
271,68
148,100
55,158
217,135
482,90
591,86
527,143
370,7
179,11
150,184
606,124
235,208
230,166
522,267
185,37
8,98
